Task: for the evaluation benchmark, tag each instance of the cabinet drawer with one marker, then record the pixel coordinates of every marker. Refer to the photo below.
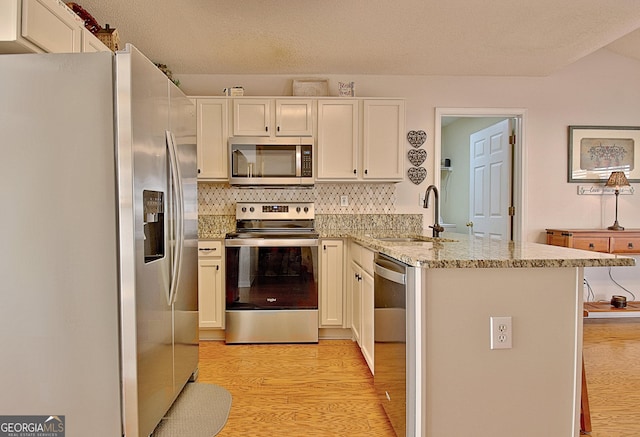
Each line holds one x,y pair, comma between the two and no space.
625,244
207,249
597,244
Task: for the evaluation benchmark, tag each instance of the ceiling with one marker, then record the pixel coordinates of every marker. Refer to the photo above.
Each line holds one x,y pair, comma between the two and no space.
400,37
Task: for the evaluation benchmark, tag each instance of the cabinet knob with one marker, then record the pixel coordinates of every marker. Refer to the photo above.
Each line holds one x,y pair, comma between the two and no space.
366,171
198,171
278,128
630,245
324,247
354,171
217,267
266,128
591,246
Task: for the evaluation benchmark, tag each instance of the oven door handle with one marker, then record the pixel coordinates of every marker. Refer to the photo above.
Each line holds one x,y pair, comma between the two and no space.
271,242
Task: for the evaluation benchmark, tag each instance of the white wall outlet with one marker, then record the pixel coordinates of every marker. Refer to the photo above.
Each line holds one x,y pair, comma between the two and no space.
344,200
501,333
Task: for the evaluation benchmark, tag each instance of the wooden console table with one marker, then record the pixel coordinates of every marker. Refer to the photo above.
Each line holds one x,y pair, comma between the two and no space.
625,242
597,240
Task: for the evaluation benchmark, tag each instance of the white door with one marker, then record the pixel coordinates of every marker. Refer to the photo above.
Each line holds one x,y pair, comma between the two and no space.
490,195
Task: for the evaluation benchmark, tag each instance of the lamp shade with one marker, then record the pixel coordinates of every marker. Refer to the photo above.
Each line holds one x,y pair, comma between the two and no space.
617,179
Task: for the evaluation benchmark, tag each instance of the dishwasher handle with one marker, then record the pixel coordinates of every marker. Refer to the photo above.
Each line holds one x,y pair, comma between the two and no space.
381,270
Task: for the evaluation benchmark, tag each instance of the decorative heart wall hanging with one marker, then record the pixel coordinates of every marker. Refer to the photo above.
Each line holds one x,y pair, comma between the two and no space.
417,156
416,138
417,174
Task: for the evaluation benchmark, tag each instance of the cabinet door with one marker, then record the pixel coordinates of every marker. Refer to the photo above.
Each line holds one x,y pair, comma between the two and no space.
355,276
51,26
210,303
338,140
366,335
212,139
90,43
331,283
251,117
383,140
294,118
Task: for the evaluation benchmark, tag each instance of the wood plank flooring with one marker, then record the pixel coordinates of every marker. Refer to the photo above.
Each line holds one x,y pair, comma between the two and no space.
612,366
318,390
327,390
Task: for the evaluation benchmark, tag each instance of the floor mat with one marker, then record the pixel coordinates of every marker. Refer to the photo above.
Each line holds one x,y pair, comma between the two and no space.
201,410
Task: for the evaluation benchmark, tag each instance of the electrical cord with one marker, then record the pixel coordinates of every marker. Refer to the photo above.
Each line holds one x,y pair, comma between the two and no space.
590,294
633,296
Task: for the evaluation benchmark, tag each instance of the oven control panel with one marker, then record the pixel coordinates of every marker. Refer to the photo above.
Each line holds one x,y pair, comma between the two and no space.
274,211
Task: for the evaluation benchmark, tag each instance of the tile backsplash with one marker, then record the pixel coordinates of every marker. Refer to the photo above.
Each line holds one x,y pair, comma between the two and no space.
220,199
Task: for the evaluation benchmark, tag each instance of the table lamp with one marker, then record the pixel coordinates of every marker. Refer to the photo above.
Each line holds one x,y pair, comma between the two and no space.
617,180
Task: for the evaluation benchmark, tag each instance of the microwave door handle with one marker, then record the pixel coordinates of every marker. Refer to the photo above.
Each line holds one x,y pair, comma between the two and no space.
298,161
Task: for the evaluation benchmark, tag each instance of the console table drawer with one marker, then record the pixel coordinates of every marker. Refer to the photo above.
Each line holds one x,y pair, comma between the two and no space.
597,244
625,245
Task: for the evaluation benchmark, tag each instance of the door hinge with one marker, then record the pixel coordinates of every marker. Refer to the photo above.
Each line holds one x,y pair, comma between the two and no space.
512,211
512,139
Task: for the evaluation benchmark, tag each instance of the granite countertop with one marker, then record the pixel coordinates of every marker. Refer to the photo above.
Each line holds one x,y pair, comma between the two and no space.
464,251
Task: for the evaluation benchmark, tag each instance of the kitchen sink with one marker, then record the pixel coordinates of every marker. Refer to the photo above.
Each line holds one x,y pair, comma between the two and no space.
402,240
414,240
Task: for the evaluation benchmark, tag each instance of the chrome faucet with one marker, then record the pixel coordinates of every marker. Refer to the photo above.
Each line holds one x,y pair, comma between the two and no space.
436,226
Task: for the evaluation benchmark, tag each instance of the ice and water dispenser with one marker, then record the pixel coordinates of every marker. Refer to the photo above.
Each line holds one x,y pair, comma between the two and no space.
153,225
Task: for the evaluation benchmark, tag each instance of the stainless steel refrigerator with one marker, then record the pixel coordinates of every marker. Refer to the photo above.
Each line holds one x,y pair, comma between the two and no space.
98,262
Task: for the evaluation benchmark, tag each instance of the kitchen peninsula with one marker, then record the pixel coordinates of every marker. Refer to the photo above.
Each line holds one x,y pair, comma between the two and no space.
460,282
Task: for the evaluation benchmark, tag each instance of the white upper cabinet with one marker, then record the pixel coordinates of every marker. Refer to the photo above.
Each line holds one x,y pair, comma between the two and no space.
272,117
367,148
338,140
252,117
91,43
212,135
383,140
39,26
294,118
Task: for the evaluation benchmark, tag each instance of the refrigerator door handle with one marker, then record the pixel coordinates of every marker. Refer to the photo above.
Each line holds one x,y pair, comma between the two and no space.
178,213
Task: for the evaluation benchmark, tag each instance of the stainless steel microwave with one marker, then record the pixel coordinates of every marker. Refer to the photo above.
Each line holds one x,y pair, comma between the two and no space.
266,161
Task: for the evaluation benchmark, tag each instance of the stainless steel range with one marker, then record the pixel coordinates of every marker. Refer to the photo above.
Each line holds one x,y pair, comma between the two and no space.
272,274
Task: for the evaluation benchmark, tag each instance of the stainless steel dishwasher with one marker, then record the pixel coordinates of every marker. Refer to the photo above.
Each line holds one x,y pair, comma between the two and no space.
394,348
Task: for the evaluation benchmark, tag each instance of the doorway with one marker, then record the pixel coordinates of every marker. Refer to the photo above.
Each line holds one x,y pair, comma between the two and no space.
453,150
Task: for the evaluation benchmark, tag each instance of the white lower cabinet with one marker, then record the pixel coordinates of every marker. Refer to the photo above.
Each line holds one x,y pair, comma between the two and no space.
355,275
366,342
331,293
361,280
211,284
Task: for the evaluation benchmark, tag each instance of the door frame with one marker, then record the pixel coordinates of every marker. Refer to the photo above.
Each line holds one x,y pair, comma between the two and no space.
519,154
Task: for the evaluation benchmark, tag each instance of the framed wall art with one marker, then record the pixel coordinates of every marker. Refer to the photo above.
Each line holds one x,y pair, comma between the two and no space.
596,151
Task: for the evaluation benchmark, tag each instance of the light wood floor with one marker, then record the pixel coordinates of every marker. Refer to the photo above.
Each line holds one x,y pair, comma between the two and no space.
318,390
326,389
612,366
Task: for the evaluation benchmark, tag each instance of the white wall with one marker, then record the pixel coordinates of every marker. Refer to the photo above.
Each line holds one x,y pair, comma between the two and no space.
601,89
